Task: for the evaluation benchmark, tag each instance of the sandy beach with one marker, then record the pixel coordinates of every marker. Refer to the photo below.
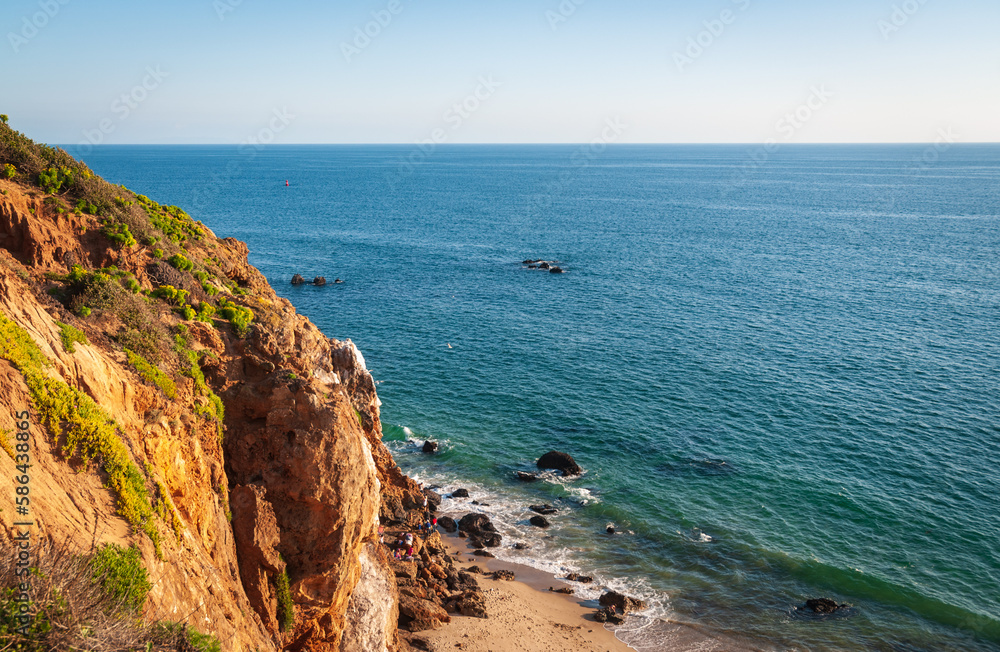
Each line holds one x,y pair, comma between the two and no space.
523,615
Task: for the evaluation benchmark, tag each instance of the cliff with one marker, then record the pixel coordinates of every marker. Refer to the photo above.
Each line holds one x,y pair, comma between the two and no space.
178,405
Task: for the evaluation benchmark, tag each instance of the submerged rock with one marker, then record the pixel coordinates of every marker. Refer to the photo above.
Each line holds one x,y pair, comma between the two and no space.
560,462
526,477
545,509
825,607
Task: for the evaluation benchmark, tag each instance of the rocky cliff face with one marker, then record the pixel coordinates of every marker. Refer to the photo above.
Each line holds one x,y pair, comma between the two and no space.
258,444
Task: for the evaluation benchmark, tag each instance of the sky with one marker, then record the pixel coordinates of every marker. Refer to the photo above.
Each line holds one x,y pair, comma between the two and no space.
501,71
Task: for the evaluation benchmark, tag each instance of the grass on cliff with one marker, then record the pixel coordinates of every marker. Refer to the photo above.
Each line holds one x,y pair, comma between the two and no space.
85,601
70,337
286,608
86,431
152,374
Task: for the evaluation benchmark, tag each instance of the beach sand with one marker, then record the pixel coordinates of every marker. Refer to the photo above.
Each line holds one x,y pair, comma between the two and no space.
523,615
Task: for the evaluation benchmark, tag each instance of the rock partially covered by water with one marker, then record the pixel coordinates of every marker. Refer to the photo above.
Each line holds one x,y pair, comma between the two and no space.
430,446
481,530
825,607
539,521
622,603
608,615
545,509
555,269
460,493
319,280
583,579
298,280
526,477
558,461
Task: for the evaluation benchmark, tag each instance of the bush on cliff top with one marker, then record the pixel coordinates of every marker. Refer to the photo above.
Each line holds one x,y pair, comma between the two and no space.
87,431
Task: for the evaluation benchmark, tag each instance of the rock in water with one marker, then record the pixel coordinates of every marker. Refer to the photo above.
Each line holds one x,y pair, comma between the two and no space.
460,493
825,606
526,477
480,530
555,270
622,603
298,280
583,579
319,280
560,462
430,446
543,509
539,521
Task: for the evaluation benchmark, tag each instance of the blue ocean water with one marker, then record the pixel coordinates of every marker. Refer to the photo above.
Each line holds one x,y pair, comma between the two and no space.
780,374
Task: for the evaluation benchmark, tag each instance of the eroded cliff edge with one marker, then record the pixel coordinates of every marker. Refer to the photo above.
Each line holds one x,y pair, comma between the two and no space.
255,440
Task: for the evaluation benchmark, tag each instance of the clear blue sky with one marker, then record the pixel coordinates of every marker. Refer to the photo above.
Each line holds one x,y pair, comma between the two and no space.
230,64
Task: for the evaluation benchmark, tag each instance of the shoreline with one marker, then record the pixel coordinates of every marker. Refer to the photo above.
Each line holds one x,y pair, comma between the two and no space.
522,614
525,615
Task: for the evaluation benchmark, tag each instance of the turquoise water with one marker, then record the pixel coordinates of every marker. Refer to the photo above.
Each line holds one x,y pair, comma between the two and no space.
781,378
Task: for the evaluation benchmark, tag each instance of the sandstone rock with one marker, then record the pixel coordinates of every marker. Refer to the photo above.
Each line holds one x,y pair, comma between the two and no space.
418,614
560,462
505,575
255,530
477,570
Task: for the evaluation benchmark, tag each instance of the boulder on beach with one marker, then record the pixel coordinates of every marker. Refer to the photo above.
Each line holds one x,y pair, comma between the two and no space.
583,579
539,521
429,447
448,524
298,280
480,530
505,575
564,590
608,615
545,509
433,499
560,462
319,280
526,477
483,553
622,603
460,493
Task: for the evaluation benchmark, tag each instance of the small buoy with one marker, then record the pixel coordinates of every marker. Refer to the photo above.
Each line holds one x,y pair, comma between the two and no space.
286,182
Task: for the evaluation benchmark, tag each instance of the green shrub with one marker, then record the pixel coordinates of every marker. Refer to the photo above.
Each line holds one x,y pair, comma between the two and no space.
157,253
171,295
133,285
119,234
205,312
70,336
83,311
188,313
181,262
9,171
54,178
152,374
83,206
121,574
238,316
286,608
86,429
4,118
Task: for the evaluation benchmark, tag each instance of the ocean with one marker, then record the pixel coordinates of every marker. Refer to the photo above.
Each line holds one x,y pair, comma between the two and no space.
780,370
